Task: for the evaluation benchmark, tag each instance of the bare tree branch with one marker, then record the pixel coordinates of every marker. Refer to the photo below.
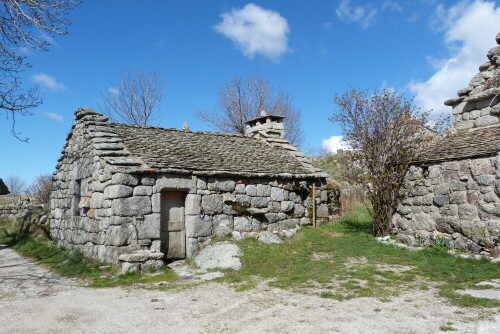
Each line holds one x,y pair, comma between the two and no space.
385,132
242,99
15,184
135,100
21,24
41,188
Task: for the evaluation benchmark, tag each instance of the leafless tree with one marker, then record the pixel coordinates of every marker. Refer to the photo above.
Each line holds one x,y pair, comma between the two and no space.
385,132
242,99
41,188
16,185
135,100
25,24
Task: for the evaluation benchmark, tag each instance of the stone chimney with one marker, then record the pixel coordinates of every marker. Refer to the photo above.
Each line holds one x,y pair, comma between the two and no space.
265,126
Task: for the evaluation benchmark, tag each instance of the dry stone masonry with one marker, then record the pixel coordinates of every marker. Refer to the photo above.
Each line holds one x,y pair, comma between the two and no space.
141,195
453,192
477,104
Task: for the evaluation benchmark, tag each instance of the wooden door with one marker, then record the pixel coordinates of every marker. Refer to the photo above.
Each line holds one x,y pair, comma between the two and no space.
172,226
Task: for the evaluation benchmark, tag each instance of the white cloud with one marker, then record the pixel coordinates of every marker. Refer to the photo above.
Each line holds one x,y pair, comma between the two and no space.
333,144
54,116
48,81
255,30
50,40
364,15
469,32
113,90
327,25
394,5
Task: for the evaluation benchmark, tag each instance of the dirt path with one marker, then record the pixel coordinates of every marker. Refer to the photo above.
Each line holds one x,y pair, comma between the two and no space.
35,301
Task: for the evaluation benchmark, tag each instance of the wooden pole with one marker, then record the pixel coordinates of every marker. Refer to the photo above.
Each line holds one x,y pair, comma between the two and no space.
314,205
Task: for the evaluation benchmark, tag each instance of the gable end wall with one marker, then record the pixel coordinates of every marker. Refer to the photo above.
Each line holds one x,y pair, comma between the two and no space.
459,199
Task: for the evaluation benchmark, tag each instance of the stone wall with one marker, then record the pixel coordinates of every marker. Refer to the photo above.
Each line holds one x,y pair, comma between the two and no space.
104,211
459,199
14,210
477,105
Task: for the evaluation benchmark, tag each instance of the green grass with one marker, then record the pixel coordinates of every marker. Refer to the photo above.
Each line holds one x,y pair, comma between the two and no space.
73,264
46,253
162,275
343,260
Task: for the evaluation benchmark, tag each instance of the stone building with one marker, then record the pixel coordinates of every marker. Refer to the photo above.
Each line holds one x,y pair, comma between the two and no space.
146,194
454,188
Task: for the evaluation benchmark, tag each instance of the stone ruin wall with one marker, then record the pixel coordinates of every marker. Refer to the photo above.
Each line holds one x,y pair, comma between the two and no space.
119,213
477,105
457,198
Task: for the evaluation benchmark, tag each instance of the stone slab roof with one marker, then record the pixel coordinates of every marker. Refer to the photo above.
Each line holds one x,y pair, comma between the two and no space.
463,144
171,149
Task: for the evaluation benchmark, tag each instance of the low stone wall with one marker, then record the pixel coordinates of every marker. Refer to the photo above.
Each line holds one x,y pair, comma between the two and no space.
12,210
458,199
120,213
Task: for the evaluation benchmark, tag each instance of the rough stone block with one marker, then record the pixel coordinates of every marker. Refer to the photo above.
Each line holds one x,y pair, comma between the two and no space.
212,204
441,200
117,191
267,237
223,224
260,202
128,267
298,210
201,183
277,194
490,197
148,180
137,256
193,204
240,189
442,189
228,198
242,224
175,182
422,221
467,211
458,197
485,180
197,226
124,179
263,190
405,239
449,210
251,190
149,228
286,224
322,211
192,246
221,185
483,166
244,200
143,191
96,200
286,206
132,206
117,235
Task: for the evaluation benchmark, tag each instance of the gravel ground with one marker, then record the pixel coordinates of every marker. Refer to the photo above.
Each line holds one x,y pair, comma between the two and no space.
33,300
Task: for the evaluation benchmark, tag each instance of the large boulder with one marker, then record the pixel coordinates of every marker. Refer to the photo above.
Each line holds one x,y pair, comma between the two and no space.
222,255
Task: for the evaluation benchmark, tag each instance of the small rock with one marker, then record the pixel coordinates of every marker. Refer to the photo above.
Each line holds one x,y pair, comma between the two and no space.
267,237
224,255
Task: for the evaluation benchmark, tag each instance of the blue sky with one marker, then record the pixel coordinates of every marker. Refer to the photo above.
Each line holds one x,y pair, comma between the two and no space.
312,49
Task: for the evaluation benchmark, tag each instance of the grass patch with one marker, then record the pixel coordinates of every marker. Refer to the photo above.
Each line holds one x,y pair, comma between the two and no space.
74,264
357,265
163,274
48,254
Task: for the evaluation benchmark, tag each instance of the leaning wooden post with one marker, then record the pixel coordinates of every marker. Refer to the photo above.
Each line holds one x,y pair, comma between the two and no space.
314,205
